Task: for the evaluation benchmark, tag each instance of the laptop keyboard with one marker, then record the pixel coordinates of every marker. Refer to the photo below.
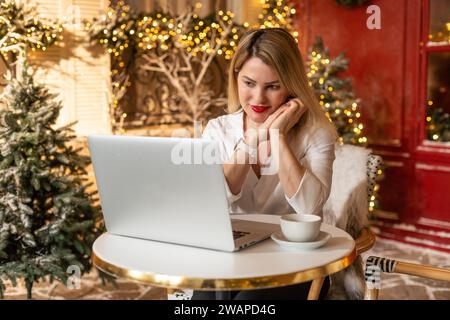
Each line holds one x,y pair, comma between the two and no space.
239,234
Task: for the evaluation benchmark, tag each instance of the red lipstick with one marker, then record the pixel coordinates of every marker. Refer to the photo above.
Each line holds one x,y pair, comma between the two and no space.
259,109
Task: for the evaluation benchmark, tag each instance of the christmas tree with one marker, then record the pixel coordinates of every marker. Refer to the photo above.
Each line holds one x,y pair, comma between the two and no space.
47,220
277,14
335,94
437,123
21,27
351,3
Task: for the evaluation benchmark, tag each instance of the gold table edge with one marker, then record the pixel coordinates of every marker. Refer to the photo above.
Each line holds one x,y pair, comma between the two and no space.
182,282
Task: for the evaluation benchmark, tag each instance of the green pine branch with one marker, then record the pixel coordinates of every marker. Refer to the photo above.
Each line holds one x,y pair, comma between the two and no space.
335,93
48,220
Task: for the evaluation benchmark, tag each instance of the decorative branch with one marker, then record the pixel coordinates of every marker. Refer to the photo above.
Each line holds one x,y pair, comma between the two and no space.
181,49
211,56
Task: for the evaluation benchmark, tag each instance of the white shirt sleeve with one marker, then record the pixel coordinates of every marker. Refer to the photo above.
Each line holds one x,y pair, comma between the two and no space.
214,131
315,186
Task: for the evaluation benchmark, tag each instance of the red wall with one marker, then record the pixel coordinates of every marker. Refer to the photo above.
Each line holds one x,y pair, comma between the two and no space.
386,68
377,58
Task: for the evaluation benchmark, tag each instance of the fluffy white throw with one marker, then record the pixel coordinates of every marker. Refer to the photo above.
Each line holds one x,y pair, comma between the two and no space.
347,208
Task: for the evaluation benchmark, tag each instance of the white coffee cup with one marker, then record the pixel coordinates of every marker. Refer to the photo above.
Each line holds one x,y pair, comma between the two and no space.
300,227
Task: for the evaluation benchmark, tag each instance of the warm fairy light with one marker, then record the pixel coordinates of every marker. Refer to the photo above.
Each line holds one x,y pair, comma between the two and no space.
33,33
437,123
161,31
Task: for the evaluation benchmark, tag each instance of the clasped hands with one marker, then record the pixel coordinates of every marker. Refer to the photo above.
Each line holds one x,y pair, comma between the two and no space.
275,127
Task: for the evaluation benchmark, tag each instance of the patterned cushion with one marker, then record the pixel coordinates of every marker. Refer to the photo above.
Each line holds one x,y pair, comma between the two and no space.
374,163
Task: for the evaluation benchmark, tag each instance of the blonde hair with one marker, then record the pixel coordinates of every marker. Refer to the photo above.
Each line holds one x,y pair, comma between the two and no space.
278,49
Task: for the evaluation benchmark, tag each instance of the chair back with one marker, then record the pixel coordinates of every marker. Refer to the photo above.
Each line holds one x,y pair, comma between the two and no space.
347,205
355,171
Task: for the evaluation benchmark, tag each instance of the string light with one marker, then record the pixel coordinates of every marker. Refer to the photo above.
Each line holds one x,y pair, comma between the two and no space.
437,123
341,108
34,33
339,105
442,34
121,29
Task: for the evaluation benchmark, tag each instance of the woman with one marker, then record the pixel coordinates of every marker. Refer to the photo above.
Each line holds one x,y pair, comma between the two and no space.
276,143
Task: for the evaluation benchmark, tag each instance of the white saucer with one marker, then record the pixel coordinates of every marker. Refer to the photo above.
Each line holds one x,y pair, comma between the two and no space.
322,238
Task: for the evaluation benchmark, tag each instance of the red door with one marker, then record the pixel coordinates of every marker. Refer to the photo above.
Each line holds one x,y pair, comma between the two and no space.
396,71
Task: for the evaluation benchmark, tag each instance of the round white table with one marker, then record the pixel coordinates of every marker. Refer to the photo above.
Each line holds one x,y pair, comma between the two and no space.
262,265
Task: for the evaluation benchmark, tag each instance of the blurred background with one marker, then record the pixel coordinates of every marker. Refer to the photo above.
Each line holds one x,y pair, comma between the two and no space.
380,69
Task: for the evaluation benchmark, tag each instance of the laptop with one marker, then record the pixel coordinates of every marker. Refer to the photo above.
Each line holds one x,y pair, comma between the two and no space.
166,189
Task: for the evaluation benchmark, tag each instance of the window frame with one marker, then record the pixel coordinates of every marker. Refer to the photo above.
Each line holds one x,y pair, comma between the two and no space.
425,50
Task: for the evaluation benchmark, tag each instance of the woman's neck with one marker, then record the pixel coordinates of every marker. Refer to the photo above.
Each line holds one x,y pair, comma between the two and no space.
249,124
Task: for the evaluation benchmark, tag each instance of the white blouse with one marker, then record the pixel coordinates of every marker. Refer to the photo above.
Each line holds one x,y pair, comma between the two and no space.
312,146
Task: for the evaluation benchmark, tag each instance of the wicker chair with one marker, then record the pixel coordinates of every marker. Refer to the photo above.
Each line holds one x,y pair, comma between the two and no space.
355,223
376,265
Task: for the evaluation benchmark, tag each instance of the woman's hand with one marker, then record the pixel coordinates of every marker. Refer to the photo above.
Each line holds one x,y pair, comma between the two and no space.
263,138
289,115
282,120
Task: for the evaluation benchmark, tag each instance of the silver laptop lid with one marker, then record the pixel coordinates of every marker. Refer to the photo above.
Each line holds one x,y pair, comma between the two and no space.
147,192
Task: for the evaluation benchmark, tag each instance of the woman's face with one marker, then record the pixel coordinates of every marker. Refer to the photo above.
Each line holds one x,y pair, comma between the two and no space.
260,91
